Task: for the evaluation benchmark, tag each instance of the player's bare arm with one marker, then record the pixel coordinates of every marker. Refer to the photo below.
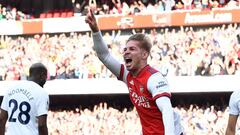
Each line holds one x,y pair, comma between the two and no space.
231,127
3,120
42,125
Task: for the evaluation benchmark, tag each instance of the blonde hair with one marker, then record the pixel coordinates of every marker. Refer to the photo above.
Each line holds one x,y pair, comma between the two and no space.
144,40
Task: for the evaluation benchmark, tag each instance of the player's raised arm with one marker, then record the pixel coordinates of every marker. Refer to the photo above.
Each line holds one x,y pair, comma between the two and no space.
100,46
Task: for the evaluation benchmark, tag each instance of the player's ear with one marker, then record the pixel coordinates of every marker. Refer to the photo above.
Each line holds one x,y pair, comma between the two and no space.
42,75
145,54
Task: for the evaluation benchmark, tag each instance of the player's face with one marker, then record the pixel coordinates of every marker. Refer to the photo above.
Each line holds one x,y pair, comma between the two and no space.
132,54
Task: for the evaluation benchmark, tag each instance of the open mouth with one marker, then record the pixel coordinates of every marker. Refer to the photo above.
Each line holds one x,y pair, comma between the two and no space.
128,61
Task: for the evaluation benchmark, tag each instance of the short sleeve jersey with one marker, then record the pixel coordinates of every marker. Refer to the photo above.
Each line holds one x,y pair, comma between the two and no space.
234,103
144,89
24,102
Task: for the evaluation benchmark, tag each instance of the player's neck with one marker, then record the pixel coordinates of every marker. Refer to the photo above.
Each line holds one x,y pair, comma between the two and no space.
32,79
136,72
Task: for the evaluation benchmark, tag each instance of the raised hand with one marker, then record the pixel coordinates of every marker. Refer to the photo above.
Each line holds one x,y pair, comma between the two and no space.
92,22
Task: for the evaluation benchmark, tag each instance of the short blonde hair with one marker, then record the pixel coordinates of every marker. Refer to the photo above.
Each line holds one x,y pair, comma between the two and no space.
144,40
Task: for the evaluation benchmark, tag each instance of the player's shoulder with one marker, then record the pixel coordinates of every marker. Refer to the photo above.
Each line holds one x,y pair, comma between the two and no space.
236,94
157,80
157,76
17,84
151,70
31,86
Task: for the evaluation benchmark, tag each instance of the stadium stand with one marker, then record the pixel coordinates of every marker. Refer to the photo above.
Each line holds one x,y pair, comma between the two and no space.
196,56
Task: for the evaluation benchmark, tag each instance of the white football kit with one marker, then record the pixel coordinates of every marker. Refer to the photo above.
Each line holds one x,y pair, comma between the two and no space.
234,103
24,102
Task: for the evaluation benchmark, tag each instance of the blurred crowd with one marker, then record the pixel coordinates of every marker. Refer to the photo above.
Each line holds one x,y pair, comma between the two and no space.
184,51
105,120
101,120
11,13
127,7
120,7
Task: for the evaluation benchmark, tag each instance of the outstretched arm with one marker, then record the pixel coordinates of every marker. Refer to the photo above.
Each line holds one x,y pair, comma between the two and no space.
100,46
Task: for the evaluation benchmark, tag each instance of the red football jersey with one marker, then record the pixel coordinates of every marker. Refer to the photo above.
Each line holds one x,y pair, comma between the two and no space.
144,99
